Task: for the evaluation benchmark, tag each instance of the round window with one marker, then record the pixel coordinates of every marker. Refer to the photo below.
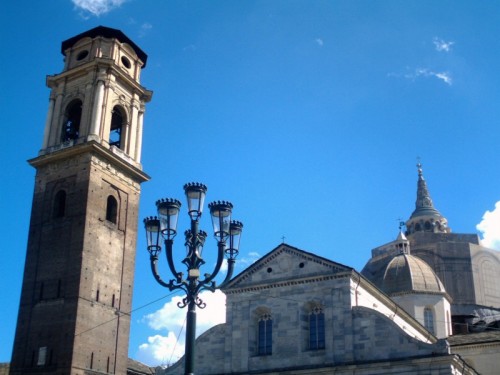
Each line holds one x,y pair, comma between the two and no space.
126,62
82,55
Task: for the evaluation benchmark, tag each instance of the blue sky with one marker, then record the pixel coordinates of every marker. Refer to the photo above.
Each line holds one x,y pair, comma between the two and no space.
307,115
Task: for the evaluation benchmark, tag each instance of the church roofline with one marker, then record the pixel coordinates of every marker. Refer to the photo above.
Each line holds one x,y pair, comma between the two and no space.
275,252
106,32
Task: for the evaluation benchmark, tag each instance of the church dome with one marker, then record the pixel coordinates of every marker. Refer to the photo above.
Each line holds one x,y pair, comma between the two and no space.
406,273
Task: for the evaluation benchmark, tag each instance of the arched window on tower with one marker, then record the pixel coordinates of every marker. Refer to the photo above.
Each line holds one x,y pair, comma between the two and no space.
59,209
429,319
72,118
117,127
112,209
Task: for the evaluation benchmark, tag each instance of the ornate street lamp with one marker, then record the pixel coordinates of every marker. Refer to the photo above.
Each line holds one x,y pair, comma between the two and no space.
227,232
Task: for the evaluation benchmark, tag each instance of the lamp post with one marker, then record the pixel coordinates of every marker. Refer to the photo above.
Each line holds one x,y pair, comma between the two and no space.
227,232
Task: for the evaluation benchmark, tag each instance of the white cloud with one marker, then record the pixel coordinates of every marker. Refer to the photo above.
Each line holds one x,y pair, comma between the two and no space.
319,42
145,27
166,349
161,350
249,259
490,228
97,7
444,76
426,73
441,45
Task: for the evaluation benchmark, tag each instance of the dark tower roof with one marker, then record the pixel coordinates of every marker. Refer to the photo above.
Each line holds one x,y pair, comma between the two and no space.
425,218
106,32
423,204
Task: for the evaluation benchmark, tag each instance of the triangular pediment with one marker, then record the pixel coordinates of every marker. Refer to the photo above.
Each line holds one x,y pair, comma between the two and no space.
286,263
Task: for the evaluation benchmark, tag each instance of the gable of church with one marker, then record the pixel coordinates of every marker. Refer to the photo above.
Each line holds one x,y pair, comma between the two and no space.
286,263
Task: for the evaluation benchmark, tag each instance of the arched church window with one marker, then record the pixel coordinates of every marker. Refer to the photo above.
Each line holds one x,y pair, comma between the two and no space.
112,209
71,125
316,329
429,320
418,228
59,209
117,125
265,334
427,226
491,280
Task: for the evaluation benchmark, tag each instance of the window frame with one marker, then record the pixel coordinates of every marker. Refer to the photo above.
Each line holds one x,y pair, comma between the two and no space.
429,320
265,335
317,329
112,209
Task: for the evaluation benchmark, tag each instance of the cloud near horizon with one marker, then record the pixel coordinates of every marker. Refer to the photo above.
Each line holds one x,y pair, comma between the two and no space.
165,350
97,7
490,228
162,350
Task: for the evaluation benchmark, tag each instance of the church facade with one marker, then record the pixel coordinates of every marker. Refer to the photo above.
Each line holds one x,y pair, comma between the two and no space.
293,312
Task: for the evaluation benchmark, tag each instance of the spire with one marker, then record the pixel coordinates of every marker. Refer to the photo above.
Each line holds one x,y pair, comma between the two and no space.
423,205
425,218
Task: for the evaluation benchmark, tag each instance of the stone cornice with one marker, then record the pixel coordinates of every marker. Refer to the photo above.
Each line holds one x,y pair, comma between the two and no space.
95,148
443,294
286,283
283,248
479,345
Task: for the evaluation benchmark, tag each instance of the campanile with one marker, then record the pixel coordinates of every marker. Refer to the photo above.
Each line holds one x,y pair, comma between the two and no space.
74,314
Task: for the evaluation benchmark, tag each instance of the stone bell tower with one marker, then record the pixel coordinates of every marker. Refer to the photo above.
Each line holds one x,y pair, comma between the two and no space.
74,314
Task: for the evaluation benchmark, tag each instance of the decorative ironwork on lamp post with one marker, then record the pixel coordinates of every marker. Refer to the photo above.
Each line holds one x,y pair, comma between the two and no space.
227,232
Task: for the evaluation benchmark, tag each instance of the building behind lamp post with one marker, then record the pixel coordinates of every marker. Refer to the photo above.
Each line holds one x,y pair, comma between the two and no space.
469,271
79,271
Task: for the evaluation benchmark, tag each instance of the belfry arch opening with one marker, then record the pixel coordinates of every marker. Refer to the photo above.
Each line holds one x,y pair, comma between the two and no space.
59,208
117,128
112,209
72,118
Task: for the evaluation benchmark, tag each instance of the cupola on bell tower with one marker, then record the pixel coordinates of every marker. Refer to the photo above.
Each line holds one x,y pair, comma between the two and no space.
74,314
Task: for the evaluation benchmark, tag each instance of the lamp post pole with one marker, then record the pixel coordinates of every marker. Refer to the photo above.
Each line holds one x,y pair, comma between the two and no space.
227,232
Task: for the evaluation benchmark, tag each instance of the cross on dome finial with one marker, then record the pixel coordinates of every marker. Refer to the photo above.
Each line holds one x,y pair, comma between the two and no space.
419,166
401,223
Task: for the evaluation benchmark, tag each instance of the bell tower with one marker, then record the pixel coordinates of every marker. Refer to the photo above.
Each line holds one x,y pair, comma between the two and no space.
74,314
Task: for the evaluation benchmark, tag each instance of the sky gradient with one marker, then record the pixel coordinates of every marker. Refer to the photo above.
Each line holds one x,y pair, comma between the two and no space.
307,115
